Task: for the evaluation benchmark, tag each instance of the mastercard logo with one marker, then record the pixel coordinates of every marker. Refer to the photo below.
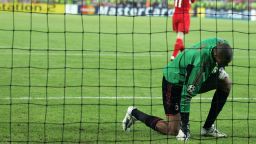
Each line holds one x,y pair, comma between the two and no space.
88,10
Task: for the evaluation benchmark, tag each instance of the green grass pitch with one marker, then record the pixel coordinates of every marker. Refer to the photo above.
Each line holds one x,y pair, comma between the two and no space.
70,78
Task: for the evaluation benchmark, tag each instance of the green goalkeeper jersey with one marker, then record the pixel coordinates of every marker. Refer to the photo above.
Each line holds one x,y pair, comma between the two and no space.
191,68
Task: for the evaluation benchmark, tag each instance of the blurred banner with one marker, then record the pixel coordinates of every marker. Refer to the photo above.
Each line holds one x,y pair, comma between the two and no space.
88,10
36,8
129,11
242,11
253,15
71,9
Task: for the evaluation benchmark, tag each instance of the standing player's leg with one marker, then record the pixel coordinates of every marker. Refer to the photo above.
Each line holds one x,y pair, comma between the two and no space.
175,28
178,46
220,96
181,25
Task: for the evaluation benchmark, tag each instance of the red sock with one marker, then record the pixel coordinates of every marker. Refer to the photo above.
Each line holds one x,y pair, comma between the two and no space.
178,47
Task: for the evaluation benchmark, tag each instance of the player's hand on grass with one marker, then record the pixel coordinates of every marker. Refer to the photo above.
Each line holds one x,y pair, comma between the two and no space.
183,135
184,132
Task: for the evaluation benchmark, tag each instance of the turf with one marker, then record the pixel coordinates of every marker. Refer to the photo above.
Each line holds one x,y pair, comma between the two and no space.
70,78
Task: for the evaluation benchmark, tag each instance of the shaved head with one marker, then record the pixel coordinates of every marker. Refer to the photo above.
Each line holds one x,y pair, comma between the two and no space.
223,54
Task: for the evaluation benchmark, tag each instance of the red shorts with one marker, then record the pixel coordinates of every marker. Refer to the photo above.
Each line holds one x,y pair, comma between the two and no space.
181,22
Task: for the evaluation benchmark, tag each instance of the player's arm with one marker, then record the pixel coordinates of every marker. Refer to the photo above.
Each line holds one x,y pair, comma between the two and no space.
194,77
195,74
193,1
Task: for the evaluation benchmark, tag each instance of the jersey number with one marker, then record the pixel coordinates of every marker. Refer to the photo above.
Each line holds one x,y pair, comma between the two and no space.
178,3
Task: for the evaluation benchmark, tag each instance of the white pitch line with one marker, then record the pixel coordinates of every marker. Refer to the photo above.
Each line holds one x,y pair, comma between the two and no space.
108,97
110,54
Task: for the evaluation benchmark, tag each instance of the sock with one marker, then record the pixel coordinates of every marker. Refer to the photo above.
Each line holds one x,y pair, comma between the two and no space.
218,101
178,47
149,120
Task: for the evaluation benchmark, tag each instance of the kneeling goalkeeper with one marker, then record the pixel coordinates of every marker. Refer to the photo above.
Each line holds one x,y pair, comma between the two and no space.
194,71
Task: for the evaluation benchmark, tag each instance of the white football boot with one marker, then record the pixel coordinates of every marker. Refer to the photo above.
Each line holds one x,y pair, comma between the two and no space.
129,120
212,132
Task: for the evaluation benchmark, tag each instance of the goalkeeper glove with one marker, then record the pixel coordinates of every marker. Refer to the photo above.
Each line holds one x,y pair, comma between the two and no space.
182,136
184,132
222,73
